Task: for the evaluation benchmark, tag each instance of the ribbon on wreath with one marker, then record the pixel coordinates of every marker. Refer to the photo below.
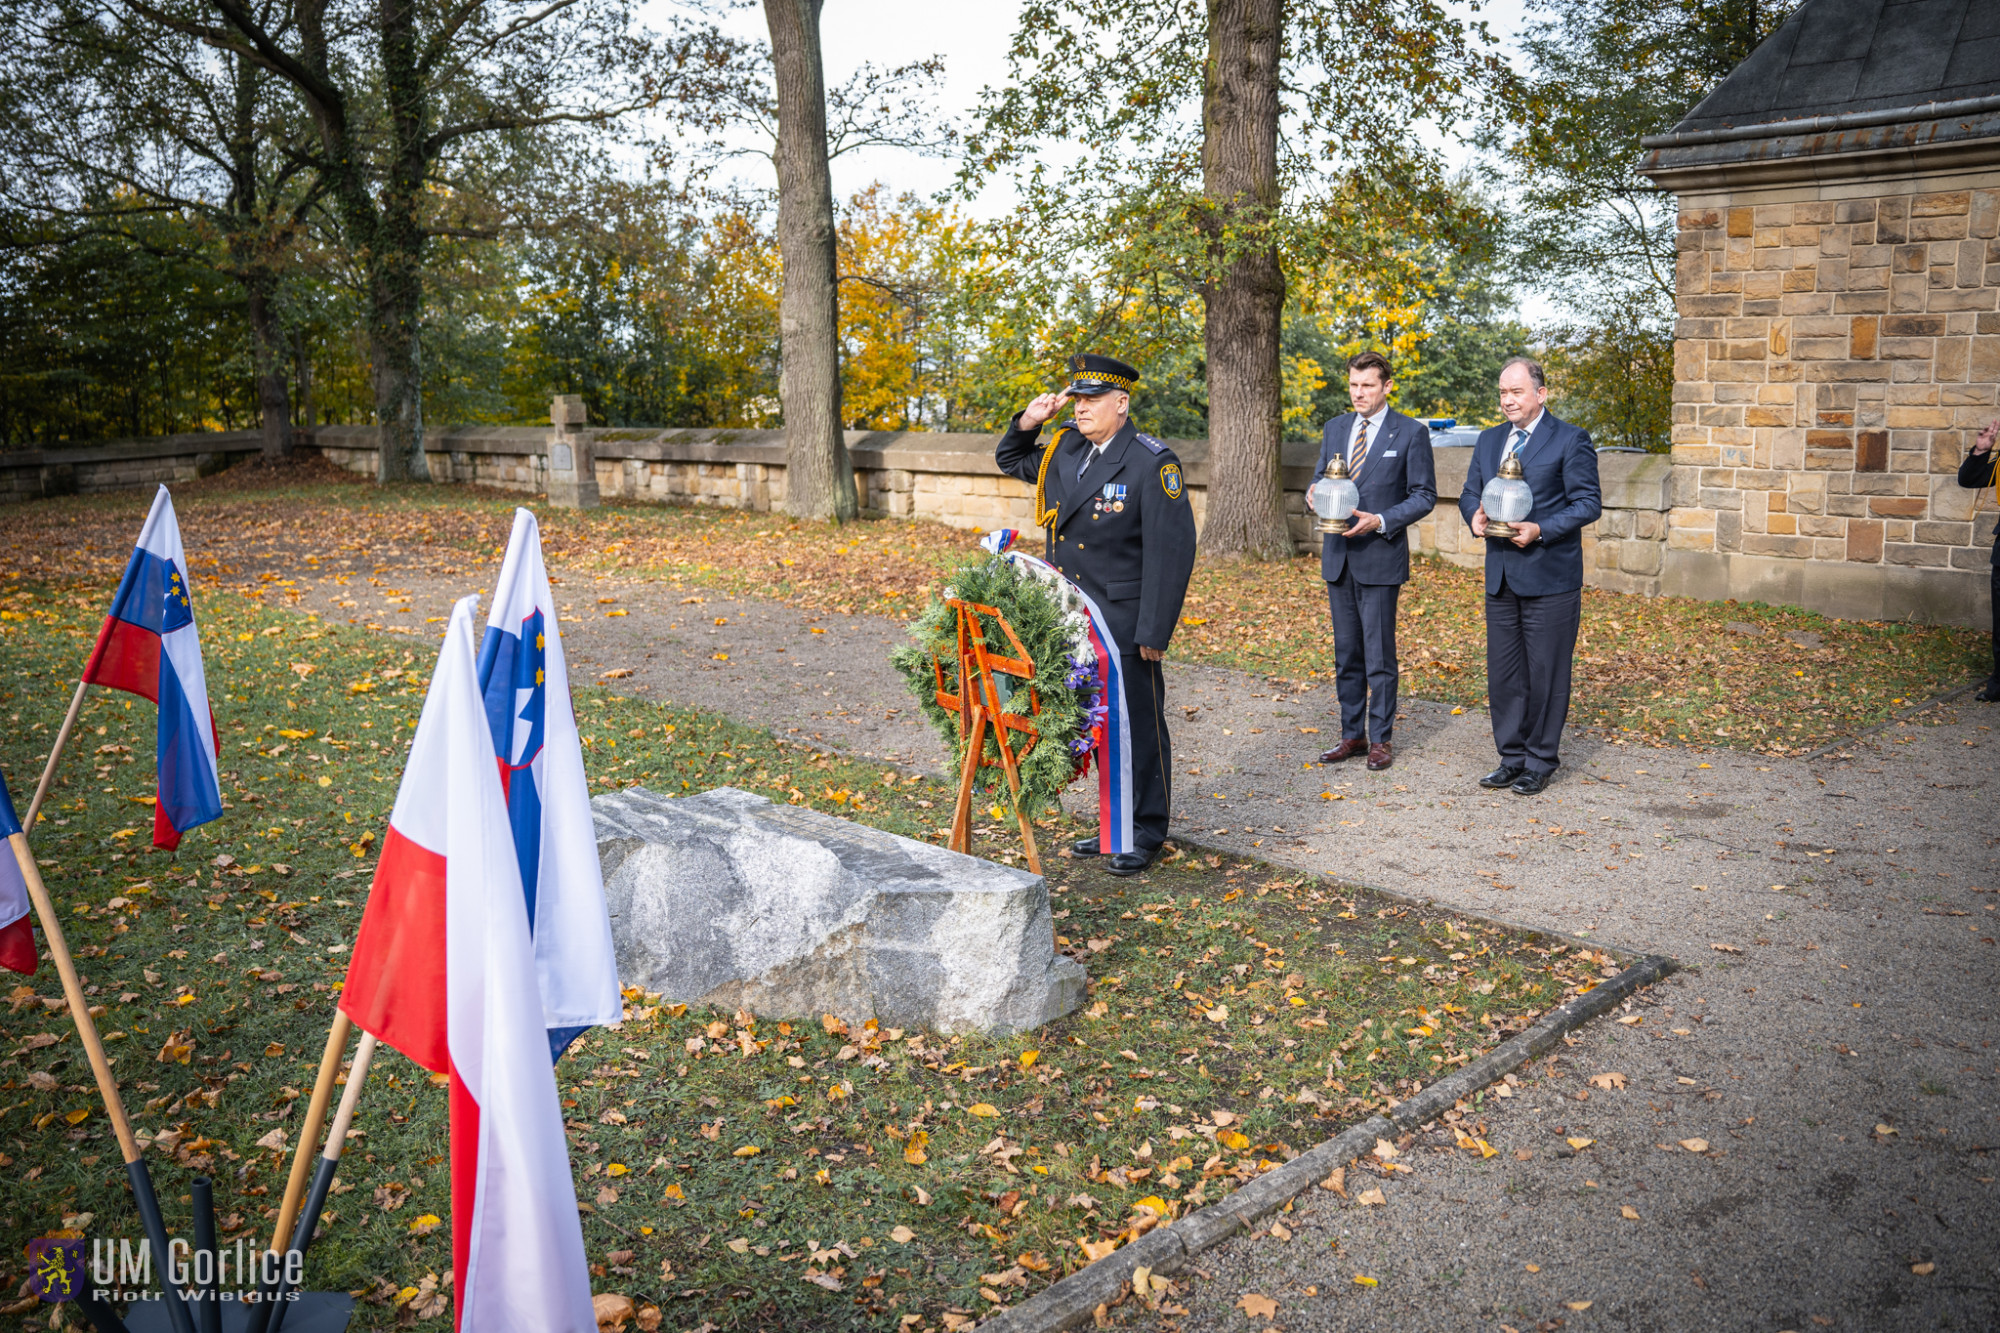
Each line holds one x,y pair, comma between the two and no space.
1107,736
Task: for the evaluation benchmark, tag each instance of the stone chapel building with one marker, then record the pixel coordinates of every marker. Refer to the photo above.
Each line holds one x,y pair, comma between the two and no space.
1838,293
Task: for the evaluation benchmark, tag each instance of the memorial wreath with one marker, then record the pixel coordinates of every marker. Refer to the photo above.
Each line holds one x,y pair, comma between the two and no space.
1051,628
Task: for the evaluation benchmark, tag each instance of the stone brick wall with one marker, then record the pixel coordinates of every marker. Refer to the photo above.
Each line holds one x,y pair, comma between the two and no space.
37,474
1837,348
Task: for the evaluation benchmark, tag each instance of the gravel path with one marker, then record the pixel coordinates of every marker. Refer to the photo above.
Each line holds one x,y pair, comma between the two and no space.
1836,1057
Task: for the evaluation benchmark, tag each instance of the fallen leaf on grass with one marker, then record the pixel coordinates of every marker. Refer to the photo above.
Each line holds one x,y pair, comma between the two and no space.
982,1109
1230,1139
426,1223
1097,1249
1337,1182
1257,1307
902,1235
613,1312
1383,1149
913,1149
1219,1014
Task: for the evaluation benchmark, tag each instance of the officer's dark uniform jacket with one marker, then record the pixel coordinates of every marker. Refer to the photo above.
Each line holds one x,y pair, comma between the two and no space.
1123,531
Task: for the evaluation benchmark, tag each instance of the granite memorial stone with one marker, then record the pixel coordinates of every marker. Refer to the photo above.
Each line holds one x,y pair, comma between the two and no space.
725,898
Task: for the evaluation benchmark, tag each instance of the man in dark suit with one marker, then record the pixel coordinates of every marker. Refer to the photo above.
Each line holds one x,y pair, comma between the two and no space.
1389,460
1114,503
1534,581
1976,473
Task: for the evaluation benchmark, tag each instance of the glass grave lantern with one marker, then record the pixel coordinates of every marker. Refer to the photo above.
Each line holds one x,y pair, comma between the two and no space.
1334,498
1506,500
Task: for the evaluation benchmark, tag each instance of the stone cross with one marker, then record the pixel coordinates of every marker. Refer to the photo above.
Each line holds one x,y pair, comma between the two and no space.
572,467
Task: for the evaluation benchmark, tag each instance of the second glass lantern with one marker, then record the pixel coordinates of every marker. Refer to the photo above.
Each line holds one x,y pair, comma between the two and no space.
1506,500
1334,498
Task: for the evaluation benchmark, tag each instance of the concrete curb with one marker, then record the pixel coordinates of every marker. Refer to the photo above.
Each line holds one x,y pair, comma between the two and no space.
1072,1301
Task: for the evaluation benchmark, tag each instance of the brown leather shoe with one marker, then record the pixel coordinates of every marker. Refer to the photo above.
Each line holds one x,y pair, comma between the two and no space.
1347,749
1380,757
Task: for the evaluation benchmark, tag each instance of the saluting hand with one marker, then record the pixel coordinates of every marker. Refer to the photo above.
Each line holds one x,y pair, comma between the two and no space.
1044,407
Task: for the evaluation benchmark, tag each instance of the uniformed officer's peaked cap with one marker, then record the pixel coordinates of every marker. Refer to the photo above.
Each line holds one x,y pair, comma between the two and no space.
1092,375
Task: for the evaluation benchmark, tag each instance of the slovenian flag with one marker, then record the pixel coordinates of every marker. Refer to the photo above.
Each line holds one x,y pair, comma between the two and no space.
524,681
440,971
17,937
149,646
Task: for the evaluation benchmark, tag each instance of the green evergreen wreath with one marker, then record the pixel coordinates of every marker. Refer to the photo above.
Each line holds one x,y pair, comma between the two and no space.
1065,682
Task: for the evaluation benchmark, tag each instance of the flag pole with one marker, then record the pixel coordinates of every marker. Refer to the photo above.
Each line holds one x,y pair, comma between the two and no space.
141,1179
55,754
329,1069
269,1316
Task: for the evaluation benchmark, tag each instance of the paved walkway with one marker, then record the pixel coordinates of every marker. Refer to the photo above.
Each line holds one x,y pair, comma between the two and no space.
1836,1054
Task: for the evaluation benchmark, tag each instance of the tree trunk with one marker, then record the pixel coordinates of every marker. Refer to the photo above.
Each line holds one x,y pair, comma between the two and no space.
398,244
1245,293
819,475
274,399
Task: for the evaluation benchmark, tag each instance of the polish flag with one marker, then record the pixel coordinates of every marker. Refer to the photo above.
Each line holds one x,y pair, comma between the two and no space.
17,937
149,647
524,682
442,970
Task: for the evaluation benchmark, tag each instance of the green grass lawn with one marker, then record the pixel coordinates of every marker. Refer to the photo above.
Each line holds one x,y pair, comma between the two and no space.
1649,671
732,1169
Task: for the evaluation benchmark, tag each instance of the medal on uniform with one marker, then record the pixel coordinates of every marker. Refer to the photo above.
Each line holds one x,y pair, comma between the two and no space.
1115,493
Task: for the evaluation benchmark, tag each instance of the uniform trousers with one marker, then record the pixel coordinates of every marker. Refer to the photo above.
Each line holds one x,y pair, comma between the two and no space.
1530,642
1152,749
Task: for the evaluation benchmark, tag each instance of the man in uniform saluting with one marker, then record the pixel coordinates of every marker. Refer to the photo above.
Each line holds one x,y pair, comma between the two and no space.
1114,503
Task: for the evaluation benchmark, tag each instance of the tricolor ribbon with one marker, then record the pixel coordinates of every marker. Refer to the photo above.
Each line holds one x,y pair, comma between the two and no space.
1108,724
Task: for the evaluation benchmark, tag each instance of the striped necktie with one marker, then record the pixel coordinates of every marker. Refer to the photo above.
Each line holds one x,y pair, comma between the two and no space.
1515,441
1359,453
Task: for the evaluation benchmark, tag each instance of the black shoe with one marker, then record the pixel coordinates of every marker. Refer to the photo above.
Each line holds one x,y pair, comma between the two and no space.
1531,783
1990,691
1503,776
1126,864
1084,846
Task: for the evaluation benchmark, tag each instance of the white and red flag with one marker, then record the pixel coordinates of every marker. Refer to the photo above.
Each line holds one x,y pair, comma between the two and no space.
524,682
443,970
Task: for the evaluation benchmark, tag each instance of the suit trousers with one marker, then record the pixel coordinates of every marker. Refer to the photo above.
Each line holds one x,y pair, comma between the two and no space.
1530,642
1364,655
1996,617
1152,749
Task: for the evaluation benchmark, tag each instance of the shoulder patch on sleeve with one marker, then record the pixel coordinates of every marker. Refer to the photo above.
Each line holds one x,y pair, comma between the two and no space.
1170,479
1151,443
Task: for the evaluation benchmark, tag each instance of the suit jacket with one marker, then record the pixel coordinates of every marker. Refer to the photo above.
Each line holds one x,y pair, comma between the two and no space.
1560,466
1398,480
1123,531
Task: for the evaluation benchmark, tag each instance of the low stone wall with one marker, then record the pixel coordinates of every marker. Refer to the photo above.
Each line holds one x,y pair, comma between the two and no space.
951,478
36,474
944,478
